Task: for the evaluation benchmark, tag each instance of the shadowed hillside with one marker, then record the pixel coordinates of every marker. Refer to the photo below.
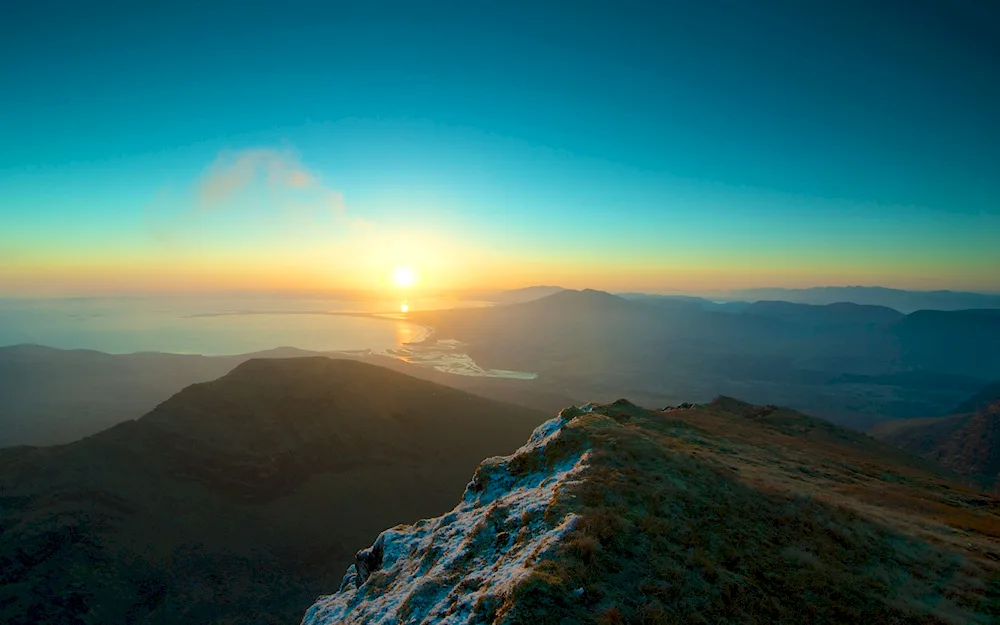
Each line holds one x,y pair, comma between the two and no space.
968,443
52,396
986,396
236,500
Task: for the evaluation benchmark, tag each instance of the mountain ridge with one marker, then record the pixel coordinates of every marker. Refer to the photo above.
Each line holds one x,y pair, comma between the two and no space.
614,514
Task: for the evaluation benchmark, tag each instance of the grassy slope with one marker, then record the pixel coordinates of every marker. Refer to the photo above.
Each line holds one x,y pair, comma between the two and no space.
728,513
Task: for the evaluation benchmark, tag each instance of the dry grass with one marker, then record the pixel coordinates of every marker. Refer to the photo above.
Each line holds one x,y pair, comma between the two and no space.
734,514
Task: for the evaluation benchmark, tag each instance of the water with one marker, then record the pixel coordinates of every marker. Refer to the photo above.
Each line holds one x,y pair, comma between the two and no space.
447,355
226,326
201,326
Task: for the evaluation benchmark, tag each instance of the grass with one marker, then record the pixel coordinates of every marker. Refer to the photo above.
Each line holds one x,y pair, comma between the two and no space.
705,516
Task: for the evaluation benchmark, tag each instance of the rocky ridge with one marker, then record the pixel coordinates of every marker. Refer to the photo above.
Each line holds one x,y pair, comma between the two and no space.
464,565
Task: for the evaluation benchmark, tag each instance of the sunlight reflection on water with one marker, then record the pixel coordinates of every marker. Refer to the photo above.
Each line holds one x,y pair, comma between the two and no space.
220,326
198,326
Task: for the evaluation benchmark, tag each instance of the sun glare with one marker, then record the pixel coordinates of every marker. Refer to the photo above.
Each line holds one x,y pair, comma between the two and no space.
404,308
404,277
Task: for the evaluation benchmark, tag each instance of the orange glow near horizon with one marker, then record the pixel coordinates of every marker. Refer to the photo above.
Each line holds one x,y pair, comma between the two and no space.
390,269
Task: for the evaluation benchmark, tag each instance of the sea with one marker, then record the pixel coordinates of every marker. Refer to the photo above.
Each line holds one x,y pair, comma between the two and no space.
218,326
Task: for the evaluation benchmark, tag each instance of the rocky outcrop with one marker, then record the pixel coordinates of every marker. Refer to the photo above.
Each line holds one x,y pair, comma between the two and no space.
464,566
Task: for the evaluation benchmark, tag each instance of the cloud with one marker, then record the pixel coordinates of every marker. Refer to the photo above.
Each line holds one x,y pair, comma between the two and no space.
235,179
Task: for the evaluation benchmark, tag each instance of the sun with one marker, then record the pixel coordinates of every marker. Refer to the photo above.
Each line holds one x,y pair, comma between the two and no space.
404,277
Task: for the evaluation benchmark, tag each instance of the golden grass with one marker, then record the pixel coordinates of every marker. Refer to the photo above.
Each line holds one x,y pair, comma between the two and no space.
736,514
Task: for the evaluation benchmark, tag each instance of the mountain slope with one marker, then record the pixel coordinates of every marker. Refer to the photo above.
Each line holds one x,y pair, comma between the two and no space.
967,443
980,400
722,513
230,501
53,396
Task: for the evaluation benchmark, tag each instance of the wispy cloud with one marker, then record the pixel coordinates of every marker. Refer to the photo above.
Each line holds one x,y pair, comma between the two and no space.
261,184
290,185
233,172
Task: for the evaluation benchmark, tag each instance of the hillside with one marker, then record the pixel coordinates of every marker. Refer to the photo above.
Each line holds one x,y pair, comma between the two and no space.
968,443
986,396
54,396
237,500
720,513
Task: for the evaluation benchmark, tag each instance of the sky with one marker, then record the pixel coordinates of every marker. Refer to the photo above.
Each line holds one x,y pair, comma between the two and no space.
631,146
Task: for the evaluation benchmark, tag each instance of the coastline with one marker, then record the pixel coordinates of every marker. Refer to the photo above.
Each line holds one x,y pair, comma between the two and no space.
418,343
424,350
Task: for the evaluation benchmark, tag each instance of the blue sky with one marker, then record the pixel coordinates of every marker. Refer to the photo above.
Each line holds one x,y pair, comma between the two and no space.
665,145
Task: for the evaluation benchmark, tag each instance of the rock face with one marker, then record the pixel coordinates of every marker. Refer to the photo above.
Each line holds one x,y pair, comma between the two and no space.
721,513
464,566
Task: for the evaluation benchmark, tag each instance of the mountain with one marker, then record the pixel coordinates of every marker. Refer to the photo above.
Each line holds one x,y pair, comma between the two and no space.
53,396
855,364
236,500
902,300
961,342
719,513
526,294
835,315
986,396
968,443
676,301
587,301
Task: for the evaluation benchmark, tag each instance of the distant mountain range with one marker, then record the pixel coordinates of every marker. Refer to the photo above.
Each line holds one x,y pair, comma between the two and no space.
854,363
719,513
238,500
901,300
